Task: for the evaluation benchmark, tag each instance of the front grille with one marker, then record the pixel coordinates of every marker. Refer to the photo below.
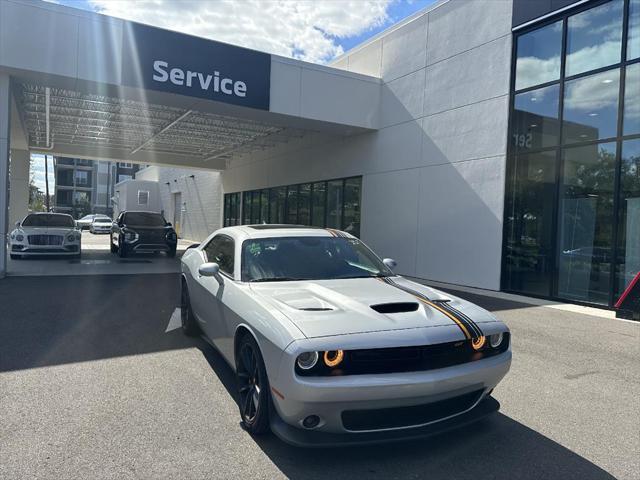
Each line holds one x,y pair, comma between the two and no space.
398,417
45,239
406,359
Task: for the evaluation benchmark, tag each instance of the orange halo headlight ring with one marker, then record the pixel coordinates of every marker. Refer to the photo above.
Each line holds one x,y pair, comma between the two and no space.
333,358
478,342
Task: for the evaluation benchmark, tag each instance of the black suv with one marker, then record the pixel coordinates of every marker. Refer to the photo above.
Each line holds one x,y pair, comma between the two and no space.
142,232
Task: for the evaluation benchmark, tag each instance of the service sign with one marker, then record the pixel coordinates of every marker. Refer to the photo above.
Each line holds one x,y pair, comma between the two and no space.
167,61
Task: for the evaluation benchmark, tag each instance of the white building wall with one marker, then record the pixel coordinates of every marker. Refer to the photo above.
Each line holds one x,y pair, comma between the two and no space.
201,198
434,174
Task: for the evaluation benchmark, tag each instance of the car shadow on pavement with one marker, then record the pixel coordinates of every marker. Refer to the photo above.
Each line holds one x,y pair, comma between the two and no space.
497,447
48,321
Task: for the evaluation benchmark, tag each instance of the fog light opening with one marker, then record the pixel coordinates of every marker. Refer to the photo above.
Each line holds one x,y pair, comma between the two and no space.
311,421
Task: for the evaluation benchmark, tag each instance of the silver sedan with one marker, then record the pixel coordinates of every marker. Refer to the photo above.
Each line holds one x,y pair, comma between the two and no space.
329,346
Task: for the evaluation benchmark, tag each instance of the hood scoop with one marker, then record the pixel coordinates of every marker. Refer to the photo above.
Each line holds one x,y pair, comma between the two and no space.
399,307
306,303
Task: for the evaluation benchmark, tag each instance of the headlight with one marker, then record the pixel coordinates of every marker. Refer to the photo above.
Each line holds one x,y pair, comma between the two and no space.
307,360
478,342
130,236
495,340
333,358
19,237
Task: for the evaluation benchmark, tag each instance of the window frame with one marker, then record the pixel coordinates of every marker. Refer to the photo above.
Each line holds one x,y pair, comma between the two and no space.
233,242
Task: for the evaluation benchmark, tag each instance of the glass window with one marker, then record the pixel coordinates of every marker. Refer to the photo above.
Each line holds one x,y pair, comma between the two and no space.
221,251
264,206
318,204
292,204
308,258
227,210
277,198
538,56
255,207
631,116
594,38
144,219
529,223
351,221
585,224
304,204
246,208
535,119
334,204
628,258
591,107
633,34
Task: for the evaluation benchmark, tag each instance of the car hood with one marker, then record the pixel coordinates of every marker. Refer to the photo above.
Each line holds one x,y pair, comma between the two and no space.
45,230
341,307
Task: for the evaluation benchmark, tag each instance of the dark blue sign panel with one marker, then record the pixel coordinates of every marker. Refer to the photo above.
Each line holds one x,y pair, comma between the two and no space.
167,61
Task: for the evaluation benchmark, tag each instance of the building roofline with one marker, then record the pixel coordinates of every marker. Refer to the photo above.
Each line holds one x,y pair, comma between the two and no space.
390,29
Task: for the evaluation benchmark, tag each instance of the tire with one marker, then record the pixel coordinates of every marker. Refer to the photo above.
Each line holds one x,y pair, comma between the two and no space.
122,250
114,248
172,253
189,326
253,387
15,257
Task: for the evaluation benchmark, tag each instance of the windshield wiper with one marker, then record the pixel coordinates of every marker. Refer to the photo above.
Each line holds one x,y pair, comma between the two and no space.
275,279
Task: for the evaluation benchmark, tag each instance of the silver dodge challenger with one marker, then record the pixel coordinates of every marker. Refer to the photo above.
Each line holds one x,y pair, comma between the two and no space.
329,346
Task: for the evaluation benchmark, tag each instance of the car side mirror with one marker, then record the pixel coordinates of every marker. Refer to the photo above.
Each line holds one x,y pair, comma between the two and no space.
210,269
390,263
18,224
168,224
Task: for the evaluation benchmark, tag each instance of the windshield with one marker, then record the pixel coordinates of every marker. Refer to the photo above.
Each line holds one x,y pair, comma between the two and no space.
144,219
87,217
308,258
48,220
102,220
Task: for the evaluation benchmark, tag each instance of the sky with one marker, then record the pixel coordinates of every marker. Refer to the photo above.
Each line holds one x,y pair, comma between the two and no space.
311,30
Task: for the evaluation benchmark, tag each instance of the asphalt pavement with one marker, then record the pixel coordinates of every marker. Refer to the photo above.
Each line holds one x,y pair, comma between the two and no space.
96,382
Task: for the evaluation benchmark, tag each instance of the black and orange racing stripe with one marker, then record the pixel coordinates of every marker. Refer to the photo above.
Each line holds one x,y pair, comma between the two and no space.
469,328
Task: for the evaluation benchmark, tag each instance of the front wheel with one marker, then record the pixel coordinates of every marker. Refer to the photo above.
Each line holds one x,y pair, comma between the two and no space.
253,387
114,248
172,252
189,326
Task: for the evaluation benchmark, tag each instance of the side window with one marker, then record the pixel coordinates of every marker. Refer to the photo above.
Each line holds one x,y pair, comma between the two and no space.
221,250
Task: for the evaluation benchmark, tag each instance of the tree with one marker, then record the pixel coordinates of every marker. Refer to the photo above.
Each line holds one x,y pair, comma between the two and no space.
36,196
81,208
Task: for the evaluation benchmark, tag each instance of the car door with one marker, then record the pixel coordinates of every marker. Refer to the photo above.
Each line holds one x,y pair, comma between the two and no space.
210,294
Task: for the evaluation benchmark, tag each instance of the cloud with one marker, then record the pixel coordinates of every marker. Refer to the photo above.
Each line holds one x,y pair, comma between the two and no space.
308,30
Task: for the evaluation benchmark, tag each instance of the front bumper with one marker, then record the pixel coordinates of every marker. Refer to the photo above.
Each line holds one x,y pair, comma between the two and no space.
42,250
335,398
318,439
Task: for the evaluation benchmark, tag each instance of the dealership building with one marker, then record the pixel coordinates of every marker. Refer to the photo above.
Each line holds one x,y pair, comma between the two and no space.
484,143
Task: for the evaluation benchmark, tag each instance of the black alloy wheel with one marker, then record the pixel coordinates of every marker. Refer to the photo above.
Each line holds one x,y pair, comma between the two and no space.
253,387
189,326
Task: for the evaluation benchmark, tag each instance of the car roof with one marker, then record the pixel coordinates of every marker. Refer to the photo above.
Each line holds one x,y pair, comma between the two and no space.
242,232
49,213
